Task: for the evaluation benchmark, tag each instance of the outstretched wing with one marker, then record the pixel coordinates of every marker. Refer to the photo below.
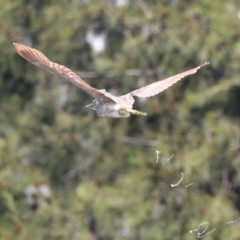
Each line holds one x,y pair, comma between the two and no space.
157,87
36,57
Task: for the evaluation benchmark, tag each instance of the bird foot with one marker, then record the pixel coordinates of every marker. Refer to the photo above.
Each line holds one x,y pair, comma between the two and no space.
135,112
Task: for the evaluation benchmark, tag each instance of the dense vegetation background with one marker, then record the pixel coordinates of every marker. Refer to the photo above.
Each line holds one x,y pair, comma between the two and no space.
65,173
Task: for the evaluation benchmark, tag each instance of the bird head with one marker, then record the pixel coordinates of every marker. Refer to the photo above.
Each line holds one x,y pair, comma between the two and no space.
92,105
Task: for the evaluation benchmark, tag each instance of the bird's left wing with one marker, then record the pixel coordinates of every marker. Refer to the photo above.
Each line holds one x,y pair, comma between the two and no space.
36,57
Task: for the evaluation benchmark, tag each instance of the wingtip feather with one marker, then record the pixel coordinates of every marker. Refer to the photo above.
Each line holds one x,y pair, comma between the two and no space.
204,64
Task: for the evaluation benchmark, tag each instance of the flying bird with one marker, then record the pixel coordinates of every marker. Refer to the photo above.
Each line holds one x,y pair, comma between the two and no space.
106,104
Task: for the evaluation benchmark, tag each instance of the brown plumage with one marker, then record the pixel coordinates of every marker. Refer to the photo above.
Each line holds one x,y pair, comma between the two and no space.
105,103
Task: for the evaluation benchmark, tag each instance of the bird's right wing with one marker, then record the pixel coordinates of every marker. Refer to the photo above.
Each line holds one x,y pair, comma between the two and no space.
36,57
157,87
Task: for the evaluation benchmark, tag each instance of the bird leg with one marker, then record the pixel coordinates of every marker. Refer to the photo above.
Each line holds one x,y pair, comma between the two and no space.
135,112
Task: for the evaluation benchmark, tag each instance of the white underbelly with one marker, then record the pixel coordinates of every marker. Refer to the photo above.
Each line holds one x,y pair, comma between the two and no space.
116,114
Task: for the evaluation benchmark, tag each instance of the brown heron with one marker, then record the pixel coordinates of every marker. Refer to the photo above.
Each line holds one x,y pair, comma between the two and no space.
105,103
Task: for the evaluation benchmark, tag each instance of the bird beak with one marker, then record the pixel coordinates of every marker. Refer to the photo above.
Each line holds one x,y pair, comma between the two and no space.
89,105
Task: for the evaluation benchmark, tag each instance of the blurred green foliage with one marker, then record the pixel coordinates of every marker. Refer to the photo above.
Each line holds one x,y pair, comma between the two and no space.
65,173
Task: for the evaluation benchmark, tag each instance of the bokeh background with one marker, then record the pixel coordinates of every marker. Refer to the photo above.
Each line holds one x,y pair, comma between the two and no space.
66,173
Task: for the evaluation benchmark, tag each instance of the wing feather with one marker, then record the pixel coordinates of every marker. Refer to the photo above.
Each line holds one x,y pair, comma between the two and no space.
36,57
157,87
